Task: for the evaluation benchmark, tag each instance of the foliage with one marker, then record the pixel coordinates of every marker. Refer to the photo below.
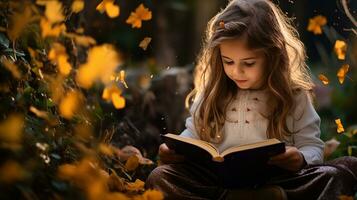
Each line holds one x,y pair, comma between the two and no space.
53,143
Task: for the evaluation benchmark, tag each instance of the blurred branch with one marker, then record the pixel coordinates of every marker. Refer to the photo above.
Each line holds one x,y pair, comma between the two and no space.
349,15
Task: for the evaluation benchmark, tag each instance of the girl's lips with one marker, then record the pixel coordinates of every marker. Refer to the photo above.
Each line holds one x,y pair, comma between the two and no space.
240,81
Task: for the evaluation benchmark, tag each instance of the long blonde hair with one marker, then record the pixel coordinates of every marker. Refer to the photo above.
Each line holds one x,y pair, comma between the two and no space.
264,26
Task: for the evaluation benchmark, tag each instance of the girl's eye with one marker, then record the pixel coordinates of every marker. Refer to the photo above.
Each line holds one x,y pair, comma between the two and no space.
249,64
228,62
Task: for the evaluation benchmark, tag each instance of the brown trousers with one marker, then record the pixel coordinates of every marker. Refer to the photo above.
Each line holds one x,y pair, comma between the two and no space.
323,181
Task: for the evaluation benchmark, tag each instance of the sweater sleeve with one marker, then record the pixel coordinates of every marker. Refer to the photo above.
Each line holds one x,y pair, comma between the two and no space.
306,125
190,130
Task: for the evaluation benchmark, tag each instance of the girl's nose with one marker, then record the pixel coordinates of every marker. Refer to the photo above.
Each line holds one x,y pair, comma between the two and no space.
238,70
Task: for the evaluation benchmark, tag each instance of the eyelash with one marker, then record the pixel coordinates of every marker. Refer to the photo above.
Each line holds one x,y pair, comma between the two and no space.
246,64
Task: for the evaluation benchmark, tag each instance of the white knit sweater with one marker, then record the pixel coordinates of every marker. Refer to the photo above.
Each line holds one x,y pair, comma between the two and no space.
245,123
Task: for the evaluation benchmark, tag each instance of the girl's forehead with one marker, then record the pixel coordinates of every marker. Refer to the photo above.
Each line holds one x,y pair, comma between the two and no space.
233,48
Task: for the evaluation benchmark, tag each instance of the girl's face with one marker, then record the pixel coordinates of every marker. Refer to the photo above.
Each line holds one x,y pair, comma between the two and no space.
242,65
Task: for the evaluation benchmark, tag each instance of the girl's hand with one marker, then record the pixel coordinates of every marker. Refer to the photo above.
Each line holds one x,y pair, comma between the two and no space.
291,160
168,156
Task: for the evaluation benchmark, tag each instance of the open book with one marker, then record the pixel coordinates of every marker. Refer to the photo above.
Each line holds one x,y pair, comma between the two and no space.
247,162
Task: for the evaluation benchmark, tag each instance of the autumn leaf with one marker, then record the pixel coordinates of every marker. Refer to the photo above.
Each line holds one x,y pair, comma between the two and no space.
81,39
19,21
141,13
105,149
39,113
323,79
11,128
145,42
9,65
132,163
138,185
101,63
340,128
47,29
56,87
77,6
109,7
69,104
118,101
53,11
315,24
150,195
11,171
341,74
59,56
345,197
34,57
340,49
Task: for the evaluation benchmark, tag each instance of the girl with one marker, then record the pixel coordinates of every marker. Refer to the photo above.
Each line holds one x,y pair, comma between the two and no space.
252,83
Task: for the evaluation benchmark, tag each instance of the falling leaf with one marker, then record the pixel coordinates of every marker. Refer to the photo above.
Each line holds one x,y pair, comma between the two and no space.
341,74
69,104
323,79
39,113
77,6
101,63
9,65
141,13
145,42
315,24
132,163
340,128
340,49
109,7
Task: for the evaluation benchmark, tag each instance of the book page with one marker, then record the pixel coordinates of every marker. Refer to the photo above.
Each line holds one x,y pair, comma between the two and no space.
210,148
250,146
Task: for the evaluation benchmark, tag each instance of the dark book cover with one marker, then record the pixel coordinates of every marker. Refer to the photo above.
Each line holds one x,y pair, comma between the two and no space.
239,169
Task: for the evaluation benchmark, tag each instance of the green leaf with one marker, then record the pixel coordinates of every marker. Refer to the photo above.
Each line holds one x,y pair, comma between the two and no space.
4,41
